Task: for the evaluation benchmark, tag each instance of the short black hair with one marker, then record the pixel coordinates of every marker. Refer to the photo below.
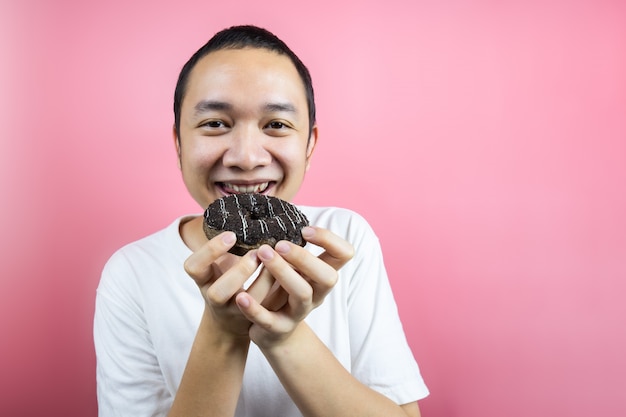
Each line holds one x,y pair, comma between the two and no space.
239,37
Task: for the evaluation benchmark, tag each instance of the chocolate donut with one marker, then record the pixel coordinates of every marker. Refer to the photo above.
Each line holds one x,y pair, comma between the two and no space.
256,219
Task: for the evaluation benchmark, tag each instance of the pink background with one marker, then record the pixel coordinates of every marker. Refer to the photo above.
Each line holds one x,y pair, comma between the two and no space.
484,141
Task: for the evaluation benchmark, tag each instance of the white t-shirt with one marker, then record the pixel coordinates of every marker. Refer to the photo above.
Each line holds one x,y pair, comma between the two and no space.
148,310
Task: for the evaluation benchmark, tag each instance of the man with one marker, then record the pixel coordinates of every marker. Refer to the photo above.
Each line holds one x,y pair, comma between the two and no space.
315,334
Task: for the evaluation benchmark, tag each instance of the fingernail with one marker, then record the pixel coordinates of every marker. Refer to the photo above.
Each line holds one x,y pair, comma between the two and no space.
265,253
243,301
229,238
252,255
282,247
308,232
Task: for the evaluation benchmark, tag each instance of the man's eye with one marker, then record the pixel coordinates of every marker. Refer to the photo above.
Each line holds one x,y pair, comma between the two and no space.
276,125
214,124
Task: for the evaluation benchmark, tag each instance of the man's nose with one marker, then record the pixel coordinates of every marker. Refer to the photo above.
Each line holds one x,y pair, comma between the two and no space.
247,149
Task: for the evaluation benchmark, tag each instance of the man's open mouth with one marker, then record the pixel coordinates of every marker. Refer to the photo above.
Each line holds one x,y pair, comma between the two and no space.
244,188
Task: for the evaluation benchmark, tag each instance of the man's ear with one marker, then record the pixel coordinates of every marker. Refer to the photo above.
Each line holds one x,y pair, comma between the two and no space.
177,145
310,147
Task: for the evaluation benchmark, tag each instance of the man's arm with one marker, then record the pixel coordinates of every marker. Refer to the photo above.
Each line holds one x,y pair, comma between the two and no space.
213,376
313,377
321,386
212,379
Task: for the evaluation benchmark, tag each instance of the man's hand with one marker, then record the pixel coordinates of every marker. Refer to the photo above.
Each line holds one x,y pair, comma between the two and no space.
221,276
303,281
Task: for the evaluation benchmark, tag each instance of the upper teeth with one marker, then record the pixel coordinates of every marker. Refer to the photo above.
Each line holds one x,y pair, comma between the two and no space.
253,188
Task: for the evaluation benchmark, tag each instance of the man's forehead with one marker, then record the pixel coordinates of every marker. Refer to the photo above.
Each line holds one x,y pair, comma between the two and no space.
242,58
248,62
245,78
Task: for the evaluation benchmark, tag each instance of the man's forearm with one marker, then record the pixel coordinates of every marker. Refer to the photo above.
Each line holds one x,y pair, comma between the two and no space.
212,380
319,384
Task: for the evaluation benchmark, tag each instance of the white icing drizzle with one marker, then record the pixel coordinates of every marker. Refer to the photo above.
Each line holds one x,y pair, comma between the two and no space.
272,215
244,223
270,207
262,223
287,214
281,223
223,212
264,227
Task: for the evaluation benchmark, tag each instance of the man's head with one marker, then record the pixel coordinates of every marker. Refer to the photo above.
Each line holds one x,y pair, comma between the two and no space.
239,37
245,118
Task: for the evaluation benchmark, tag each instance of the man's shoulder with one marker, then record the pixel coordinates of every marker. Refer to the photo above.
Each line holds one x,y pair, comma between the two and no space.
158,237
163,241
340,220
316,213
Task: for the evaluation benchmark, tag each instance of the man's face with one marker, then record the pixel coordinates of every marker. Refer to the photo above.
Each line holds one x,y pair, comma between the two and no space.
244,126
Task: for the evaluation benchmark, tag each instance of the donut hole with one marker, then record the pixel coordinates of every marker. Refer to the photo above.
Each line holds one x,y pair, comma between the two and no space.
257,213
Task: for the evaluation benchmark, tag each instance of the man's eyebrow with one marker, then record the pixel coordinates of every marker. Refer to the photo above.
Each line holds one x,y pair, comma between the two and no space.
211,105
279,107
204,106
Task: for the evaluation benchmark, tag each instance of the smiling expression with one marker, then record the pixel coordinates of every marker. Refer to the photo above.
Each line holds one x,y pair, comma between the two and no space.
244,126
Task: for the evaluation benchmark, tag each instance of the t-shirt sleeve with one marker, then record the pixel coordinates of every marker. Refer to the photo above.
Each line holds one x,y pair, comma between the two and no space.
129,381
381,356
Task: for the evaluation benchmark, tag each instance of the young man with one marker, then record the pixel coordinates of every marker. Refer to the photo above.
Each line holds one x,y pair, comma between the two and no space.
315,334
